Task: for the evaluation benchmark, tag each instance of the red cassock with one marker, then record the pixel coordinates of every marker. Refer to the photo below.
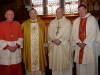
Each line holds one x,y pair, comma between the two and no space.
10,35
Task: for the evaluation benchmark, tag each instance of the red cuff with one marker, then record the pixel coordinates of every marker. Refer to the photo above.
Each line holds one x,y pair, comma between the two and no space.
6,47
18,45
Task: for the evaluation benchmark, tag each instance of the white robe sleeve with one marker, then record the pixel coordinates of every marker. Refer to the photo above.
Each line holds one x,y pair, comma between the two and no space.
3,44
20,42
75,38
91,37
66,34
50,37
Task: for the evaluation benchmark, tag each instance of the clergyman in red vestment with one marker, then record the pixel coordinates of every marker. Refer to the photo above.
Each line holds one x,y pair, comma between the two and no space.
11,41
86,35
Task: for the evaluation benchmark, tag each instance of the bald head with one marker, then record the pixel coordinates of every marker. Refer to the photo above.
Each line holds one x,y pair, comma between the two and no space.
59,13
9,15
33,14
32,10
60,9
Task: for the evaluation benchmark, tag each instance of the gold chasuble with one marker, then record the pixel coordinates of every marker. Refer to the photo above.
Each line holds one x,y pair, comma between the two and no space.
34,53
82,36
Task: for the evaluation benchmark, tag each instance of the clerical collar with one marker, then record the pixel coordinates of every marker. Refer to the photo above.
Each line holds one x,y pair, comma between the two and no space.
87,15
10,22
33,21
60,19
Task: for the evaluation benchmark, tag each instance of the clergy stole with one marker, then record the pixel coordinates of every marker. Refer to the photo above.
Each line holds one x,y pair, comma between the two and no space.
58,27
82,36
34,47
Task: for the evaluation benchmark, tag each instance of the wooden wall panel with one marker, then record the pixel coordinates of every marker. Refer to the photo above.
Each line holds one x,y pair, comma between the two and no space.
71,17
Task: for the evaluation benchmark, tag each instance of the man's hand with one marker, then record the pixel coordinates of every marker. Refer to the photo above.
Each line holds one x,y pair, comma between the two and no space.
81,45
57,41
12,48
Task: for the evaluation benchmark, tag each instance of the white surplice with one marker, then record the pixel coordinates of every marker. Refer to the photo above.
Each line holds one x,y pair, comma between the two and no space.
59,55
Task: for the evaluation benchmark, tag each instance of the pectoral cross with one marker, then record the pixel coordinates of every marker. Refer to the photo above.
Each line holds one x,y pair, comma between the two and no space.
34,28
11,35
57,28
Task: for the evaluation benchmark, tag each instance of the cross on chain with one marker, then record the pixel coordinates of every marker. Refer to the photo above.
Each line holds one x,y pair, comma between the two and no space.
11,35
57,28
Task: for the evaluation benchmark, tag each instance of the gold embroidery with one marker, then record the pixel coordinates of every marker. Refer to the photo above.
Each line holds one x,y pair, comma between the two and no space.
34,47
34,28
